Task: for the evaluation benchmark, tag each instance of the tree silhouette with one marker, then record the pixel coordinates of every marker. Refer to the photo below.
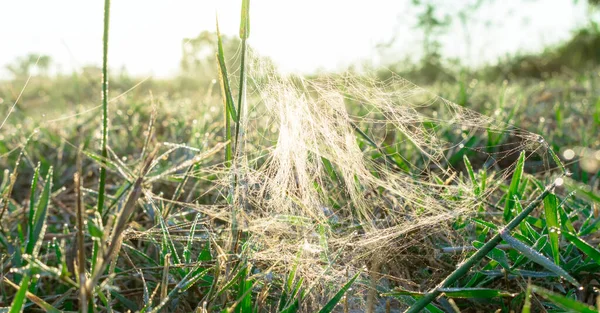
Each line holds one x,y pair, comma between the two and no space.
23,66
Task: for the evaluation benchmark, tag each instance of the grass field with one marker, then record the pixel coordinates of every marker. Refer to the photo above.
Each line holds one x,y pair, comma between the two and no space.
260,192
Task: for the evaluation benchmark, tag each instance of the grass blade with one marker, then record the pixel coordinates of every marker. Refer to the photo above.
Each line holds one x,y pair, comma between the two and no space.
338,296
538,258
539,245
288,286
469,167
230,112
552,224
583,246
496,254
34,181
38,226
47,307
564,302
514,187
244,293
19,299
224,76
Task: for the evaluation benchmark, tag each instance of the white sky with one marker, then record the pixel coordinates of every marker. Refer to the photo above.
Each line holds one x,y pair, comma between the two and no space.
146,35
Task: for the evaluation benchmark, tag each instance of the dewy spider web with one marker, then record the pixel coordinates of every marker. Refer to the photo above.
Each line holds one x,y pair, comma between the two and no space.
341,167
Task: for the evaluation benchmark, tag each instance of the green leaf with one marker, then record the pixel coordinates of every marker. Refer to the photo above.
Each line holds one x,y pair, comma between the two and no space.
230,107
552,224
483,180
514,187
557,160
287,287
38,226
245,21
19,299
34,181
94,230
168,241
196,274
564,219
589,226
485,223
519,209
496,255
205,254
244,292
230,112
338,296
539,245
563,302
330,170
538,257
469,168
583,246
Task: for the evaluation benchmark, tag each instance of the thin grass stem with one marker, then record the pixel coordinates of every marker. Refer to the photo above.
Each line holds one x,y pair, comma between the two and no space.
102,184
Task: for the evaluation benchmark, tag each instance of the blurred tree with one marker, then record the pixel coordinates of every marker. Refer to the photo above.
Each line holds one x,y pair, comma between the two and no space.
198,55
465,17
433,25
22,66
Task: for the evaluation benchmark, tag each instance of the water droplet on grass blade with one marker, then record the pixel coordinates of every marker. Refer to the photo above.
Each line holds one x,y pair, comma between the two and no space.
559,181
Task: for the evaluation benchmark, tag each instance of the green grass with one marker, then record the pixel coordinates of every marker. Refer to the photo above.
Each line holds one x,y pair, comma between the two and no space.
156,221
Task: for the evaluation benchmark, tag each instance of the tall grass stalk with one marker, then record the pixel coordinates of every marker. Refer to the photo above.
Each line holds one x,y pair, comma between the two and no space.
102,184
104,151
480,254
242,114
244,34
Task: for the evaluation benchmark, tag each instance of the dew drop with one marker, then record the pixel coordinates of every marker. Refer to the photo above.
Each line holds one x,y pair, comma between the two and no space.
569,154
559,181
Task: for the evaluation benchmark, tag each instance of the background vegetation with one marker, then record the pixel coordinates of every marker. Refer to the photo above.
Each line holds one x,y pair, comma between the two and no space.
170,235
